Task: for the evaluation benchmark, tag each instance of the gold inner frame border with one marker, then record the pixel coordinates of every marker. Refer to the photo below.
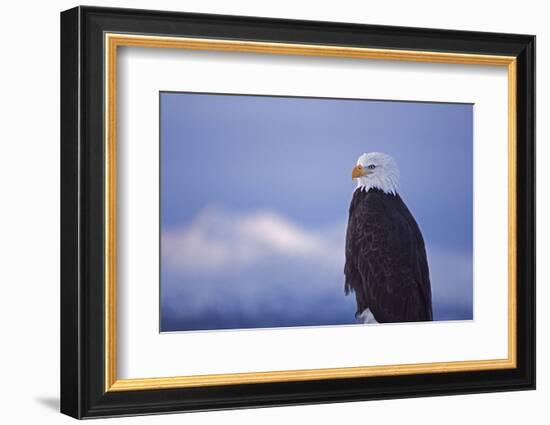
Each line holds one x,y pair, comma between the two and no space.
114,40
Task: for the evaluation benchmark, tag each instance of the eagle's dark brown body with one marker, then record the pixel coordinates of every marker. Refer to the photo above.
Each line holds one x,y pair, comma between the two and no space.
386,262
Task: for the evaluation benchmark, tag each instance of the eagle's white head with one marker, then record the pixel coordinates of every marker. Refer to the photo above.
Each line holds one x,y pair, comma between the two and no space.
376,170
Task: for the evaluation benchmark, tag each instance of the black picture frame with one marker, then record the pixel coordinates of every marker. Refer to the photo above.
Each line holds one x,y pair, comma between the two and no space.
83,392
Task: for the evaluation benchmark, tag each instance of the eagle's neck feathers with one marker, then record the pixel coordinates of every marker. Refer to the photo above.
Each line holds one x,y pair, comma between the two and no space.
386,182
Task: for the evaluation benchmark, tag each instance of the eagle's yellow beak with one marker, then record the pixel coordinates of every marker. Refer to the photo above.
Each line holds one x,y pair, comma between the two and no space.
359,171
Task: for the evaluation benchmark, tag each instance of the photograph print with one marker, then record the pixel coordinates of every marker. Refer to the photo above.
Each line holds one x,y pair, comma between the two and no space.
281,211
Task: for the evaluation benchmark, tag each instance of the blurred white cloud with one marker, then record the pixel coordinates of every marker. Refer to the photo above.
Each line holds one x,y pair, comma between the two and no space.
216,241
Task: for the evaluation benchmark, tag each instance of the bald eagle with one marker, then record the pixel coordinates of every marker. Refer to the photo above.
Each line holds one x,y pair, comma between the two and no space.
386,265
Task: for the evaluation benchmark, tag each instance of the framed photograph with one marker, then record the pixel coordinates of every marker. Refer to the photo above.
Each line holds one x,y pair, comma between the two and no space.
261,212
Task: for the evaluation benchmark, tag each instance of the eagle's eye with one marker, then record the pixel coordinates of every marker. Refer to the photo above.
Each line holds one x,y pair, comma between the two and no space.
371,167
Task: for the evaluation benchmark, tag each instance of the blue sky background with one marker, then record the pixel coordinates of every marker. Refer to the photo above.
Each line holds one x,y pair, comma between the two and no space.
255,193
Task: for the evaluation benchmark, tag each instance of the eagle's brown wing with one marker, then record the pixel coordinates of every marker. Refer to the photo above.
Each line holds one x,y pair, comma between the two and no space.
386,262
